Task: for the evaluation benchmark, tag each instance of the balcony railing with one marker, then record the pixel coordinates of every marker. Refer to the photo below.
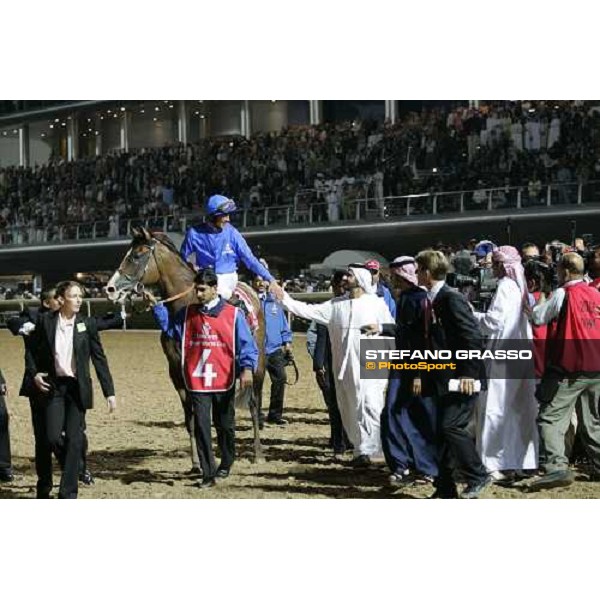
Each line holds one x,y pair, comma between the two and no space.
311,211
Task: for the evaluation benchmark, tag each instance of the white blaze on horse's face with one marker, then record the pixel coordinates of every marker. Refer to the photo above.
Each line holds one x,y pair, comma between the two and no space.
113,293
111,288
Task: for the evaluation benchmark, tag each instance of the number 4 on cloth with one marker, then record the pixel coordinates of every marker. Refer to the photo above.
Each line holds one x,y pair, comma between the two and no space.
205,369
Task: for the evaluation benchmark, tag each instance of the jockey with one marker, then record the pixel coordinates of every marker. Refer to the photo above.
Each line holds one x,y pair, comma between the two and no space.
218,245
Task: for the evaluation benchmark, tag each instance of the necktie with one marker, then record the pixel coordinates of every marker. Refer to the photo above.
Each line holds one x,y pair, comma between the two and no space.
427,313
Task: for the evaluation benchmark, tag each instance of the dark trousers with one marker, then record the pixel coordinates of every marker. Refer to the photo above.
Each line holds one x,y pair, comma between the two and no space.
456,446
275,364
339,439
5,457
223,418
65,414
408,430
43,450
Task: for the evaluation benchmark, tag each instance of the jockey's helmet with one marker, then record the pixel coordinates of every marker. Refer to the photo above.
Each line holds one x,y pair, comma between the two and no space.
218,205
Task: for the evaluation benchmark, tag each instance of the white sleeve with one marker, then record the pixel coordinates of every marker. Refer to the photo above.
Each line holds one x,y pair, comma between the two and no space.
546,311
493,320
321,313
384,316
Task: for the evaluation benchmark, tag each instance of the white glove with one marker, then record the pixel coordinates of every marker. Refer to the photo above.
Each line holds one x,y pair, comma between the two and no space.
112,403
27,328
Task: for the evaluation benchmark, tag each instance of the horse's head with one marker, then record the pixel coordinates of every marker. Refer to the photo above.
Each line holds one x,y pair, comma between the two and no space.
138,268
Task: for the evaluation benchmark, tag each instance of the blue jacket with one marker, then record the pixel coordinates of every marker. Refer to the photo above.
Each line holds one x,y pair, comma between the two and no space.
277,330
221,249
384,292
246,351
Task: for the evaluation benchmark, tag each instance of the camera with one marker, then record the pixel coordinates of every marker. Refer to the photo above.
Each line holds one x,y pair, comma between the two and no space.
478,286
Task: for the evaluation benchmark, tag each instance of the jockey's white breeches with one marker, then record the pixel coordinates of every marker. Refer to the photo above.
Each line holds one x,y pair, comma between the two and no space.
226,283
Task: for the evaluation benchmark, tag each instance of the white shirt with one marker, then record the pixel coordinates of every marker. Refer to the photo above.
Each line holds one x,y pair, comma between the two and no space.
210,305
435,288
545,312
64,361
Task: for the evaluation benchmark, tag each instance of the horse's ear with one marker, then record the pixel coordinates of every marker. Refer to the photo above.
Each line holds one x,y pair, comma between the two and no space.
135,232
145,234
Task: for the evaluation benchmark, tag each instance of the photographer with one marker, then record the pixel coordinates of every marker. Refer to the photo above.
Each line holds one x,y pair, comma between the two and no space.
538,278
529,251
572,374
506,426
593,267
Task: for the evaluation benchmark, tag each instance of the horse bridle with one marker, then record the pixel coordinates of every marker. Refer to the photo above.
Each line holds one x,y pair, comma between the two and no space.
141,264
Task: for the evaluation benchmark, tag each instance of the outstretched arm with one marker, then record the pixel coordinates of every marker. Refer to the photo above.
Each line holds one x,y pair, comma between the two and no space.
321,313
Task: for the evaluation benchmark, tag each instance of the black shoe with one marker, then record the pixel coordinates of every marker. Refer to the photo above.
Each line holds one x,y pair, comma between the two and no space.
279,421
6,475
444,495
474,490
361,462
86,478
206,483
222,473
554,479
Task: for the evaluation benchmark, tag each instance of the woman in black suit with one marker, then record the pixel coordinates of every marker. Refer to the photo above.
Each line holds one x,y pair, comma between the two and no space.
23,325
62,345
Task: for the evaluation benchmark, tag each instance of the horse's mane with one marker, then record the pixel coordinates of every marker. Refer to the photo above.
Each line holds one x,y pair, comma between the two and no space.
167,241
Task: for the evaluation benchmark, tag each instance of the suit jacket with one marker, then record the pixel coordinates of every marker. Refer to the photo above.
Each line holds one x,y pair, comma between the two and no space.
409,329
453,327
30,315
86,346
323,357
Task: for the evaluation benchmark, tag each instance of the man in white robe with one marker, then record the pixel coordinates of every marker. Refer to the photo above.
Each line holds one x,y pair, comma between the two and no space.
507,436
360,400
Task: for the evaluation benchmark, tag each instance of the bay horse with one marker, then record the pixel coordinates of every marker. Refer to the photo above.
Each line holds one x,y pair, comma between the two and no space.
153,259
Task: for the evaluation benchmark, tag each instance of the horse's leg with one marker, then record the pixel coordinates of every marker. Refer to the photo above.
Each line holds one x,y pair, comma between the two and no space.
188,413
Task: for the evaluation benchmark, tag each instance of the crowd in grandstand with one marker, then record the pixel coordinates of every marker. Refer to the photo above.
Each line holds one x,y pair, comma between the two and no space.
498,144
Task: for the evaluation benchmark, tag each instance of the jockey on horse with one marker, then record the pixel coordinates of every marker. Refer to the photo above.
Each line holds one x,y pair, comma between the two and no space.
219,245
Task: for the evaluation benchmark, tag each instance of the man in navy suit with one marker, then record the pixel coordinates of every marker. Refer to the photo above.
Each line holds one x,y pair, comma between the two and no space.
452,326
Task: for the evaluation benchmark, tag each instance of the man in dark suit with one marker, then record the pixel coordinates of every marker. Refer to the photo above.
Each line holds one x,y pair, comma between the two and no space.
452,326
62,345
6,473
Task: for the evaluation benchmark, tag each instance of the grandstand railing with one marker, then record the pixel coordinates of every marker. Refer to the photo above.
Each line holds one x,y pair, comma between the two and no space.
316,211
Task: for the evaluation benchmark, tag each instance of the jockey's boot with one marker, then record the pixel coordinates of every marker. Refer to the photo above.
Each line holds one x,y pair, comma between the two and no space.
239,303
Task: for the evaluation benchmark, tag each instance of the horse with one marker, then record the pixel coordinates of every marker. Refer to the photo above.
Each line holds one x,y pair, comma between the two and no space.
153,260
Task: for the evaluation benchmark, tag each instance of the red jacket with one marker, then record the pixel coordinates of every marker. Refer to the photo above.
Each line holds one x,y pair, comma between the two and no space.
576,346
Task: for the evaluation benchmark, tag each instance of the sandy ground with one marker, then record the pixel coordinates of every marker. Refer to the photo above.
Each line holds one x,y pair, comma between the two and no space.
142,450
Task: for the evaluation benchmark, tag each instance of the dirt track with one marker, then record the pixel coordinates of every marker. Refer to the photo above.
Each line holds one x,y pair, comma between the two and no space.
142,450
